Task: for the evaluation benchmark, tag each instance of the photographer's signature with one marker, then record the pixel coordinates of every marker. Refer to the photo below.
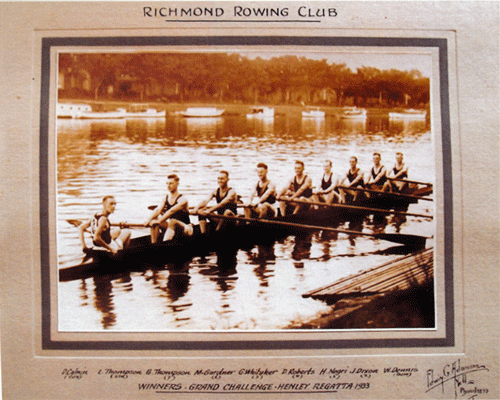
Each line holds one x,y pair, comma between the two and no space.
463,377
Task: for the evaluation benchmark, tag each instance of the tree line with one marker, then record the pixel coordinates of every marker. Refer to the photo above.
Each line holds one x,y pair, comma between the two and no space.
230,77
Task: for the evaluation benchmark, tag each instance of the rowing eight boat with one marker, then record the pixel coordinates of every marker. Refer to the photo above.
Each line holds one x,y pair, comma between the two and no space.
248,232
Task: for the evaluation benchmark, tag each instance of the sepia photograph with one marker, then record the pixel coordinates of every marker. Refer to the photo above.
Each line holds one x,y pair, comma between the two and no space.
245,189
250,200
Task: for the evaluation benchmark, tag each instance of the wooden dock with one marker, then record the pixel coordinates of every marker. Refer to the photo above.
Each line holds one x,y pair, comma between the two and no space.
401,274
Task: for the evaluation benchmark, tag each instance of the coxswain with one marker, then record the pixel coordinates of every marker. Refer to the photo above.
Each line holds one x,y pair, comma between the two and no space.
261,202
171,216
326,193
399,171
377,176
353,178
225,199
299,187
111,239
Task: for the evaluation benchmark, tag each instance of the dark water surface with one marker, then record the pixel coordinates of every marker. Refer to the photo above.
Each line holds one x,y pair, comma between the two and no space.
131,159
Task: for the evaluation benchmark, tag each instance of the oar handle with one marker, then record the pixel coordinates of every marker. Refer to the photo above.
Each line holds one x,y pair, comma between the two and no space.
76,223
153,207
127,225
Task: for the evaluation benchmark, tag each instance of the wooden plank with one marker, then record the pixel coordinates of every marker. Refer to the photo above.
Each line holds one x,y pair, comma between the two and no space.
365,282
399,274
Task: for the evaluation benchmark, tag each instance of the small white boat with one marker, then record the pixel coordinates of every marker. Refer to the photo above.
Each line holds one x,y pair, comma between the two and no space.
261,112
68,110
201,112
353,113
149,113
119,113
316,113
409,114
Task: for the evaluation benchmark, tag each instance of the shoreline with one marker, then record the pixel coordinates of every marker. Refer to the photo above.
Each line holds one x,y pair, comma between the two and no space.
411,308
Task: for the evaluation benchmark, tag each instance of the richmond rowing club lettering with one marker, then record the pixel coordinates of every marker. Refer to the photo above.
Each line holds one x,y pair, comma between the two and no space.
239,12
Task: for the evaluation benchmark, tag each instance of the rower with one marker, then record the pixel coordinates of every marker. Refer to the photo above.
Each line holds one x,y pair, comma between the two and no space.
264,195
103,236
225,198
326,193
399,171
300,188
353,178
171,216
377,176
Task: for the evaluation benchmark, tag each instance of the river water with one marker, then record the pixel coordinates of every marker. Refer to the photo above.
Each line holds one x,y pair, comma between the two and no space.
131,158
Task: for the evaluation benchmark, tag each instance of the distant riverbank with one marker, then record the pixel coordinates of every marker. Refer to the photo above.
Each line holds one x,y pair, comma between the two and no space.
230,108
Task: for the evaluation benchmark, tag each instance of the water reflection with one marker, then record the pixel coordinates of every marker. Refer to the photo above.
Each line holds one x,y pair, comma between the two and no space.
108,130
357,126
204,129
406,126
302,248
177,285
314,126
141,130
103,301
260,127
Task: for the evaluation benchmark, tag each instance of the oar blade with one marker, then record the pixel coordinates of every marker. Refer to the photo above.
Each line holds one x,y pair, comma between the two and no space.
75,222
407,240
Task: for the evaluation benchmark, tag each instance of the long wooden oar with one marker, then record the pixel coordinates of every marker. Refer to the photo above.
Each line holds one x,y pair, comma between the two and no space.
377,210
408,181
153,207
405,239
76,223
408,196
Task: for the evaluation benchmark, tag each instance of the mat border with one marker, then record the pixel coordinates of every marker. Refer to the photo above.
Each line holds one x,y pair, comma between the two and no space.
129,41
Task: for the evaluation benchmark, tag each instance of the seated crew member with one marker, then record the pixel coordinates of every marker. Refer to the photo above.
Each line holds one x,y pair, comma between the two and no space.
171,216
225,198
353,178
112,239
326,193
264,195
399,171
377,176
300,188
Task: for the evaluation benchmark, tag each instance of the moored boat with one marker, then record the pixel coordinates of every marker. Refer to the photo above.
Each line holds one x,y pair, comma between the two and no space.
117,114
68,110
148,113
316,113
409,114
261,112
353,113
201,112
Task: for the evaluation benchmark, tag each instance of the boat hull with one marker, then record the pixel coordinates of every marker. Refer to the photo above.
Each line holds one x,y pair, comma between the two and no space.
313,114
142,255
409,114
119,114
202,112
150,113
69,110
